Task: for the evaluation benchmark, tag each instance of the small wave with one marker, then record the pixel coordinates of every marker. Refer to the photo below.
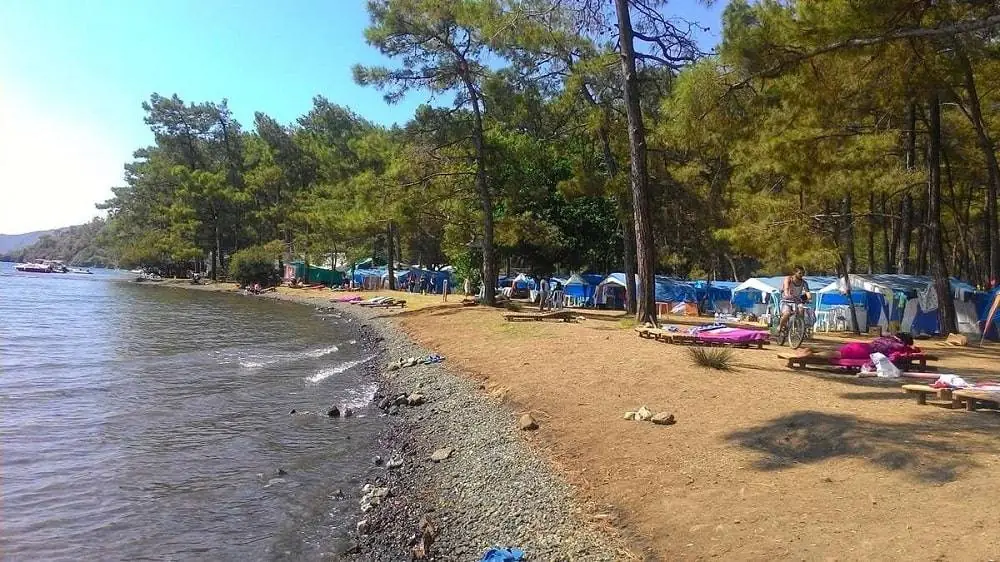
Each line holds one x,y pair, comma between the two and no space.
313,354
327,373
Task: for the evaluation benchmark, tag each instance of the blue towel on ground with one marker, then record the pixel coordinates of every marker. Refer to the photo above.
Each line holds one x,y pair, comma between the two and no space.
503,555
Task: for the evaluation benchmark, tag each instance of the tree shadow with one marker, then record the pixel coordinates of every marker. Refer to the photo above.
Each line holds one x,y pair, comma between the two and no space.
933,450
875,396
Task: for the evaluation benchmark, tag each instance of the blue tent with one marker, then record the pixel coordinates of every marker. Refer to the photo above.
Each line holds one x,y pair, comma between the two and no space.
984,301
752,292
893,300
611,290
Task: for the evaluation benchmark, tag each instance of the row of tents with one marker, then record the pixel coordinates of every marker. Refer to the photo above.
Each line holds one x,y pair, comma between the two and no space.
894,302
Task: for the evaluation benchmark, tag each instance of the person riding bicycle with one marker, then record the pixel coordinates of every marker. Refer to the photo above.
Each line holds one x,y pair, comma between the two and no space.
794,290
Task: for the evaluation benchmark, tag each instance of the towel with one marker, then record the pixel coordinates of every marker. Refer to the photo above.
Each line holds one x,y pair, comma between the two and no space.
503,555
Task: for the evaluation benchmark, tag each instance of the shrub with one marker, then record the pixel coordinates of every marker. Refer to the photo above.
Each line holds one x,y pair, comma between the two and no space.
720,359
255,264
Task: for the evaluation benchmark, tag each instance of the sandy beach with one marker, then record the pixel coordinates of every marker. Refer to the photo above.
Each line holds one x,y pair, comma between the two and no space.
764,462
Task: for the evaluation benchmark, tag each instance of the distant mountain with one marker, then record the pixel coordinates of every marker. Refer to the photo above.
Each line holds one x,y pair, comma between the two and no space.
76,245
12,242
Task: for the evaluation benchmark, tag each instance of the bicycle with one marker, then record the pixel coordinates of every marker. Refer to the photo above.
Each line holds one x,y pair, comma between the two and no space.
796,329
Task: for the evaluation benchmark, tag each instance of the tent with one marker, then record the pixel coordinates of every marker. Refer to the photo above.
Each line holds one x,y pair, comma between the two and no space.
610,292
717,295
906,303
755,294
989,312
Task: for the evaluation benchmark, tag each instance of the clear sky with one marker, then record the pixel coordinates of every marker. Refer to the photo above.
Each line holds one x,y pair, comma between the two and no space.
73,75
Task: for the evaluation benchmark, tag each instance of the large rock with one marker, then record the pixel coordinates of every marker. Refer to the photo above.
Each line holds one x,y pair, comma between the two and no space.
527,423
441,454
663,418
394,462
415,399
643,414
333,412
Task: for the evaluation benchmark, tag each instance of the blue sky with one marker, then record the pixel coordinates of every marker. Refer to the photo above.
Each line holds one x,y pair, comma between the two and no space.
73,75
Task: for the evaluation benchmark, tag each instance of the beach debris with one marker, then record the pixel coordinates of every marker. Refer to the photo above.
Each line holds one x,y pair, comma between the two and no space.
643,414
527,423
394,462
441,454
363,527
663,418
428,532
333,412
415,399
503,555
629,415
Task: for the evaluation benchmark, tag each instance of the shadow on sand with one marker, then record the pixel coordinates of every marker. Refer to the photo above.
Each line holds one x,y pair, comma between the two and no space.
933,450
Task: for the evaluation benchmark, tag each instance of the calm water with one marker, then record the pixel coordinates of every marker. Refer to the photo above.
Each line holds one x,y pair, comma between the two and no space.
147,423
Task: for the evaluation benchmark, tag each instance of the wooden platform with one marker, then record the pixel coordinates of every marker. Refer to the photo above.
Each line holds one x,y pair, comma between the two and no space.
804,361
684,338
973,397
562,315
923,390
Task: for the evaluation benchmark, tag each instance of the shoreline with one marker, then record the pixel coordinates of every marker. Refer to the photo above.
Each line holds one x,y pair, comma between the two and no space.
494,490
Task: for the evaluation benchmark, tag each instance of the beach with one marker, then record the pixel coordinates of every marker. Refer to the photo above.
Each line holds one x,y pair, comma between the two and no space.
763,462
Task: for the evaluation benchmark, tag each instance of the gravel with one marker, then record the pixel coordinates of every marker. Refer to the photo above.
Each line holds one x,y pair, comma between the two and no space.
494,489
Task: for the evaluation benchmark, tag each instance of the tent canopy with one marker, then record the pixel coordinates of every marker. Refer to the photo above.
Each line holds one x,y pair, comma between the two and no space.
667,289
910,285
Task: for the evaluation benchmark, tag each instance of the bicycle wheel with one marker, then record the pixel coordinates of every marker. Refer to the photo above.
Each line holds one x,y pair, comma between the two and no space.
796,331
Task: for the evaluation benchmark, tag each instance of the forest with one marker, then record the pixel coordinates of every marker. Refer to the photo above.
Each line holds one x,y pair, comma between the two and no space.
82,245
598,135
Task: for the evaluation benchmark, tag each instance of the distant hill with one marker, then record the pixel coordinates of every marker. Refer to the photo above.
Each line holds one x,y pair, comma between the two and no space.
76,245
12,242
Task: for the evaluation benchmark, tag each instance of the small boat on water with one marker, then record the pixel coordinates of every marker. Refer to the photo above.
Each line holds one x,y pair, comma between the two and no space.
42,266
80,271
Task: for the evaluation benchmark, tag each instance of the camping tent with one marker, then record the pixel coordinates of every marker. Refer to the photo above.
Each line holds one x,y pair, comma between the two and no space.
717,295
989,312
610,292
906,303
755,294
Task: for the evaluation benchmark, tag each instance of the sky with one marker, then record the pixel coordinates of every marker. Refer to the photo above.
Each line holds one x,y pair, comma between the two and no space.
74,74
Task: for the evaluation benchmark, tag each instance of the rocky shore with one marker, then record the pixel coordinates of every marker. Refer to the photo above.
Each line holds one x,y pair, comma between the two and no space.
455,475
489,488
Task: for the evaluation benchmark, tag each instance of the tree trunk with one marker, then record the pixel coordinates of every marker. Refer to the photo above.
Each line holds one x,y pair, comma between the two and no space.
921,223
389,251
847,231
992,243
871,232
628,233
646,300
485,197
906,211
886,244
217,254
939,269
845,274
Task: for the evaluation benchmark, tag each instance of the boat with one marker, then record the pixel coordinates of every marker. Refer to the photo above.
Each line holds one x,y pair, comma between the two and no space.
80,271
42,266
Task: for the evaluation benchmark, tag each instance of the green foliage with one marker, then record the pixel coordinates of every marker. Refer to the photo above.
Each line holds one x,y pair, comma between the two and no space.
256,264
80,245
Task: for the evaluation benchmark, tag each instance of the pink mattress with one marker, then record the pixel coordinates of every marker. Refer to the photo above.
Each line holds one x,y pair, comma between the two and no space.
733,336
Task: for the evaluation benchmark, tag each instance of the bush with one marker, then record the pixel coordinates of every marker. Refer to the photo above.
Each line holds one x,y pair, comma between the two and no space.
255,264
716,358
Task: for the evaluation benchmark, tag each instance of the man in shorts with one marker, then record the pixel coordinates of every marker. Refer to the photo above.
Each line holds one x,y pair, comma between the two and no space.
794,290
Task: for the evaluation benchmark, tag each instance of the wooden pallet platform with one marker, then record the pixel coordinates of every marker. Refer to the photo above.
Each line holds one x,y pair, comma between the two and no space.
562,315
683,338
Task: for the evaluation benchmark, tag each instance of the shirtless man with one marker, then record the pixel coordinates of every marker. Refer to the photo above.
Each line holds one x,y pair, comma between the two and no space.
794,290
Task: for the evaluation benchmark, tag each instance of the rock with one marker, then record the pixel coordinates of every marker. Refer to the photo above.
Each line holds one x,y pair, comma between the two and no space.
384,403
630,415
401,400
393,410
394,366
367,489
663,418
337,494
643,414
363,527
377,460
353,547
333,412
380,492
348,412
527,423
293,411
280,472
441,454
394,462
415,399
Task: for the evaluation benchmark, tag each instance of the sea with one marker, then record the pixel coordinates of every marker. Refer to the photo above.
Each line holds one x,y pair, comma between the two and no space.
153,423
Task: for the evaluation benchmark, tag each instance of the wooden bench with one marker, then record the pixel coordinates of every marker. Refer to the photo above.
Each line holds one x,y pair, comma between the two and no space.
923,390
972,397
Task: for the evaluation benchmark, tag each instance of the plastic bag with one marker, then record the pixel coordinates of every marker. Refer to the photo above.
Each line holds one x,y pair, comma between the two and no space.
885,368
